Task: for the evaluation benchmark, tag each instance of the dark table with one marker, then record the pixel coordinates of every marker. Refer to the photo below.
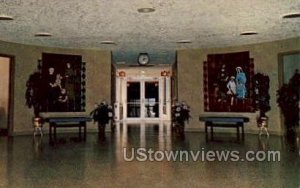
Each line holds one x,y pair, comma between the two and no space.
224,121
58,122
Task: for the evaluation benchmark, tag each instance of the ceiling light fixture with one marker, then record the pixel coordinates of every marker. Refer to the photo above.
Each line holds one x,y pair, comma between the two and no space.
249,33
145,10
184,41
291,15
6,17
107,42
43,34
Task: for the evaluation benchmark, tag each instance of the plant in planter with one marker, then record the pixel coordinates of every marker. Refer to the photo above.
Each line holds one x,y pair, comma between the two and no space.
102,114
33,95
261,84
180,115
288,101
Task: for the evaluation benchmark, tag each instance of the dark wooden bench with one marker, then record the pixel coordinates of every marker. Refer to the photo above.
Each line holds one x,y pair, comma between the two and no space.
226,122
58,122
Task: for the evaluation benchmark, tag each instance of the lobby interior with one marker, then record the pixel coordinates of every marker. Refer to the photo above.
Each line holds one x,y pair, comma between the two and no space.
105,39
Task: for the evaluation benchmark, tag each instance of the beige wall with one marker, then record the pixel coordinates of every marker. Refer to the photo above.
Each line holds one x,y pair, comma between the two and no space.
4,91
98,80
190,74
190,78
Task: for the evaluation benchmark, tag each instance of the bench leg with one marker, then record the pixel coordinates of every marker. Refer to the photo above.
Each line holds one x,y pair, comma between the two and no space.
243,133
238,132
54,132
50,132
206,134
83,125
211,132
79,127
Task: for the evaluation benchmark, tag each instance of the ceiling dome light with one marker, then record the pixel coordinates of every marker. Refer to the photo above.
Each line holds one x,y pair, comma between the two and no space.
43,34
249,33
292,15
107,42
6,17
184,41
145,10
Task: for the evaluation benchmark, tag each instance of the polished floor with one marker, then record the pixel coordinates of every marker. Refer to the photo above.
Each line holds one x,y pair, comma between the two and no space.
28,162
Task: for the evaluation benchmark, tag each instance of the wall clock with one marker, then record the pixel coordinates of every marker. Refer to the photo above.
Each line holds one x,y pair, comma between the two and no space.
143,59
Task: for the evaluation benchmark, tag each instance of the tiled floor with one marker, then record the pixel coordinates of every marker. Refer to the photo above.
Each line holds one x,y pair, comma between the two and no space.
25,162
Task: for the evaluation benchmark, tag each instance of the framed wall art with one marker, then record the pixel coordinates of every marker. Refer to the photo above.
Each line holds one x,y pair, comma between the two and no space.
228,82
63,87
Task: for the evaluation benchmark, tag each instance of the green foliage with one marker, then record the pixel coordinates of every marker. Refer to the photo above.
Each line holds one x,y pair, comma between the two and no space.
261,84
180,114
288,100
102,113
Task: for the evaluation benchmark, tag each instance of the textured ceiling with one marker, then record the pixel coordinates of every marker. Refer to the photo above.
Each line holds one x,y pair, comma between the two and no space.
207,23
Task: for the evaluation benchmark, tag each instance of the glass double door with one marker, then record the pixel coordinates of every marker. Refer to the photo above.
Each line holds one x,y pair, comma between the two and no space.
142,99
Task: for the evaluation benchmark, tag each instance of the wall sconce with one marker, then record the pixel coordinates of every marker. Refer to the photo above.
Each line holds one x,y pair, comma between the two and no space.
122,74
165,73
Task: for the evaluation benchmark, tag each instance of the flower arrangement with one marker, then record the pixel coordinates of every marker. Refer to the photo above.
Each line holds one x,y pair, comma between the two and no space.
288,101
102,114
180,115
33,93
261,84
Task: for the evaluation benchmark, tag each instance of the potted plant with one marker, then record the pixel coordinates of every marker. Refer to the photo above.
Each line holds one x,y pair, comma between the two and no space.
288,101
180,115
34,99
261,84
102,114
33,93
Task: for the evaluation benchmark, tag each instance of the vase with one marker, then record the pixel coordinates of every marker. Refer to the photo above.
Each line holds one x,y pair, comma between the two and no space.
262,122
101,131
180,128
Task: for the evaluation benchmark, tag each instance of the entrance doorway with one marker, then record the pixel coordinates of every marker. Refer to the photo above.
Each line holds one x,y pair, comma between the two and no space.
142,99
5,95
143,93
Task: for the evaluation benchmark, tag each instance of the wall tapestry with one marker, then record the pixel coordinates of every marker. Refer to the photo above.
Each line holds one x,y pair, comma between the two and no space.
228,83
63,87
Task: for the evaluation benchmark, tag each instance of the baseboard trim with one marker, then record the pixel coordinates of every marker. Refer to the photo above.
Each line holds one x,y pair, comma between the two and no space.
94,130
233,131
59,131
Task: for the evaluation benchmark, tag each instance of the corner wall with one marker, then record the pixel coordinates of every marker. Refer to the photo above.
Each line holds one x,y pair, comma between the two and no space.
190,79
98,77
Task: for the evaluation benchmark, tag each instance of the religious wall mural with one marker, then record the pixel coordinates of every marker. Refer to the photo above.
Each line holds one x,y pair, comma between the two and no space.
58,85
227,83
62,75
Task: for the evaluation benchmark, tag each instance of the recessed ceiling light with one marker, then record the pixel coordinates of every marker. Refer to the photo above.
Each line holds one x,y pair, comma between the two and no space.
184,41
107,42
249,33
43,34
291,15
6,17
145,10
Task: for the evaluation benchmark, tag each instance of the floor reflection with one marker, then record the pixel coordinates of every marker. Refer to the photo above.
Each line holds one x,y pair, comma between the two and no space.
28,162
161,131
